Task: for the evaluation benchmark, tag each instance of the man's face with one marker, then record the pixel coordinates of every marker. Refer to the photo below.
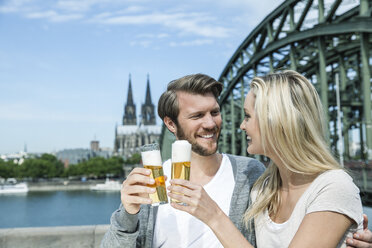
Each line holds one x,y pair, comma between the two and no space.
199,122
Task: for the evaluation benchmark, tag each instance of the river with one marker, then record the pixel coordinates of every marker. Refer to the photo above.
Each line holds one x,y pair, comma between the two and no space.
65,208
57,208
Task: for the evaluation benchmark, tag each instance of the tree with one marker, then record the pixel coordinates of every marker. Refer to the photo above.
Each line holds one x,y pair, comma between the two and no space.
97,167
47,166
134,159
8,169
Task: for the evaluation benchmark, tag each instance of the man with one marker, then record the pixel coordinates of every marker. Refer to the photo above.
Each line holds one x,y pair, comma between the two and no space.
190,110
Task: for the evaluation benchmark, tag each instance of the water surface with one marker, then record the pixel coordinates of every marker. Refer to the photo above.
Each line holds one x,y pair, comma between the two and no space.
57,208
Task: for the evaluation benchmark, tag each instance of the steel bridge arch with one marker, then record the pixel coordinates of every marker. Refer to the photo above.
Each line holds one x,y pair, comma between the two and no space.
319,39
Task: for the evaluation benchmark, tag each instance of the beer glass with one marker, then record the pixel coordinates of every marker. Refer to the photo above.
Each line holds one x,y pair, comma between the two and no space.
151,159
181,161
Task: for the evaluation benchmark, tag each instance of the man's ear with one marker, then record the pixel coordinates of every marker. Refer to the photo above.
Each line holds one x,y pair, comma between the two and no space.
170,125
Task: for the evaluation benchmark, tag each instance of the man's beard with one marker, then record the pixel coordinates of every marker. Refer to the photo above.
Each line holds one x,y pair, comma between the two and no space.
195,147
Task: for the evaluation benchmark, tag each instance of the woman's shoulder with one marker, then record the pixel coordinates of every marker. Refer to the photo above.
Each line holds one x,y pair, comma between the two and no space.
337,173
331,181
335,191
334,177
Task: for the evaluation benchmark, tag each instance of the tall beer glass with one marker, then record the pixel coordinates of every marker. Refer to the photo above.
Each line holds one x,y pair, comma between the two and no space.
151,159
181,161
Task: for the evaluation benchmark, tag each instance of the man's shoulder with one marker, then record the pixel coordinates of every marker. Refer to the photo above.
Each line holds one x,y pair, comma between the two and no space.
243,160
247,164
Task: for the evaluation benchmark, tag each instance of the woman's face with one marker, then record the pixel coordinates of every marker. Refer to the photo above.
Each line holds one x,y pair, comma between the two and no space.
250,126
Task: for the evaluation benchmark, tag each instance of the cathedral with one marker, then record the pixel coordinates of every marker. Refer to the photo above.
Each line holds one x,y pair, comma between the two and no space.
132,134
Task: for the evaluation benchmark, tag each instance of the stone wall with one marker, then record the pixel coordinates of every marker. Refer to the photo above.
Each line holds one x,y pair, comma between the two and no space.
56,237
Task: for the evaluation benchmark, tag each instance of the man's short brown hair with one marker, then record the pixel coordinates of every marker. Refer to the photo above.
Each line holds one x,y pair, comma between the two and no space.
193,84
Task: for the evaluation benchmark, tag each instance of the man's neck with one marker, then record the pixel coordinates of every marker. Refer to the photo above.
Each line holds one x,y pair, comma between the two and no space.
204,168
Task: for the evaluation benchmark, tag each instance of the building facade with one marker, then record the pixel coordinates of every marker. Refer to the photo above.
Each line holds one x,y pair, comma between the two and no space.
132,134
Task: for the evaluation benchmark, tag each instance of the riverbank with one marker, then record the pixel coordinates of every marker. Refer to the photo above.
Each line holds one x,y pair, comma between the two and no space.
59,185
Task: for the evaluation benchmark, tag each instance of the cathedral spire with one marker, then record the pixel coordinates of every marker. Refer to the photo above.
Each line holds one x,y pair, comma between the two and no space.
130,95
130,117
147,109
148,93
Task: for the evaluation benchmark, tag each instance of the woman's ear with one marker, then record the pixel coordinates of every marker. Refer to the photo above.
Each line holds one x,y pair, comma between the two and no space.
170,125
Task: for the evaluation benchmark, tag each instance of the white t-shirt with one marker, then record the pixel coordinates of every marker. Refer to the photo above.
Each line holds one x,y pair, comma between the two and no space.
333,190
176,229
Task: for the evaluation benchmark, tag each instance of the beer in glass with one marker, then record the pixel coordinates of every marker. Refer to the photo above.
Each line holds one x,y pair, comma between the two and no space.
181,161
151,159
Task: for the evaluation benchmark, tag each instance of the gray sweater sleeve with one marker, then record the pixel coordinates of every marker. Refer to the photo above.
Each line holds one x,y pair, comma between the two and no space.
123,231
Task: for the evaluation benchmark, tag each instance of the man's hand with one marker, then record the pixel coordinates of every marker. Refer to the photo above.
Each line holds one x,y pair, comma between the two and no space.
135,190
361,239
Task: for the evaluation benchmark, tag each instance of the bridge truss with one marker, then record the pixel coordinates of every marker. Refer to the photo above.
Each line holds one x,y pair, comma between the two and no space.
319,39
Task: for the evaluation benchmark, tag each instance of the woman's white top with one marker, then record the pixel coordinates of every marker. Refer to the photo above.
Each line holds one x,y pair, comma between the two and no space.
332,190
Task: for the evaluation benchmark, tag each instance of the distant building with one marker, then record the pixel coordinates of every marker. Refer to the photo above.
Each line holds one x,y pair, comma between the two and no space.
75,156
94,145
131,135
17,158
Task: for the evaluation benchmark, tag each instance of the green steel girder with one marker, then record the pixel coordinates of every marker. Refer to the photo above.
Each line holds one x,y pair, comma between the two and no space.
289,37
363,25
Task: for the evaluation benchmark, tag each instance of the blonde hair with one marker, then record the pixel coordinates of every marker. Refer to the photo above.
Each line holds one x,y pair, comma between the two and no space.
291,122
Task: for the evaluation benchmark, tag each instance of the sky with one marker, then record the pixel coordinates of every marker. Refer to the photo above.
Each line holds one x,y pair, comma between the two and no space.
65,64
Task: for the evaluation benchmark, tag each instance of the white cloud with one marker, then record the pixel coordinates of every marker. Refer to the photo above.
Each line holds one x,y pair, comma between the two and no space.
116,12
158,36
102,16
162,35
185,23
72,5
133,9
87,5
13,6
53,16
82,5
191,43
144,43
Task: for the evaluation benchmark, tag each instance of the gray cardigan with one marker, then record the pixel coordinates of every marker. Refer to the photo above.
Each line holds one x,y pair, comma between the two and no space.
127,230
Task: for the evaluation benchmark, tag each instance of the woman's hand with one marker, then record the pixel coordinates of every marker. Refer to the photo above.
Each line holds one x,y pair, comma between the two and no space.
199,203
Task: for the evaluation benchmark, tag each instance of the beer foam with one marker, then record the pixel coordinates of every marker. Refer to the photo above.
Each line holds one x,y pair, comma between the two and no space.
181,151
151,158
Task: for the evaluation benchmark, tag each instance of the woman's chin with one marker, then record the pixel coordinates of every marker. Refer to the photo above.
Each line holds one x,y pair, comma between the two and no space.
250,151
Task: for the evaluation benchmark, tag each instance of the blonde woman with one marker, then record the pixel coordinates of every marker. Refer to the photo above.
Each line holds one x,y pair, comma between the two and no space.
304,198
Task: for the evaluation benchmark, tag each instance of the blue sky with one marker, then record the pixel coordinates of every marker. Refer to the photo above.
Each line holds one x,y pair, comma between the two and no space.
64,64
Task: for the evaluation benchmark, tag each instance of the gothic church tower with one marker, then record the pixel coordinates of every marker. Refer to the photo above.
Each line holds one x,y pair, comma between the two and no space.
147,109
130,136
130,117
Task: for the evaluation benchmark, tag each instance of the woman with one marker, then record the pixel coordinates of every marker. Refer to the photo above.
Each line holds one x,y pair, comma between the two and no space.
304,193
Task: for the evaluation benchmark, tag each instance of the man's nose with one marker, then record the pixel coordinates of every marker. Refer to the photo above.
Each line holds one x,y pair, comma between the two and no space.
209,121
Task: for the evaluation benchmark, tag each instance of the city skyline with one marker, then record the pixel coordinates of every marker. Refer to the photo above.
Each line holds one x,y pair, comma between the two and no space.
65,65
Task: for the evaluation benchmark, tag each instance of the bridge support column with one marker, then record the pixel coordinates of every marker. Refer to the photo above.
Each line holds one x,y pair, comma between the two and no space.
345,110
224,130
233,128
366,86
243,150
322,79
